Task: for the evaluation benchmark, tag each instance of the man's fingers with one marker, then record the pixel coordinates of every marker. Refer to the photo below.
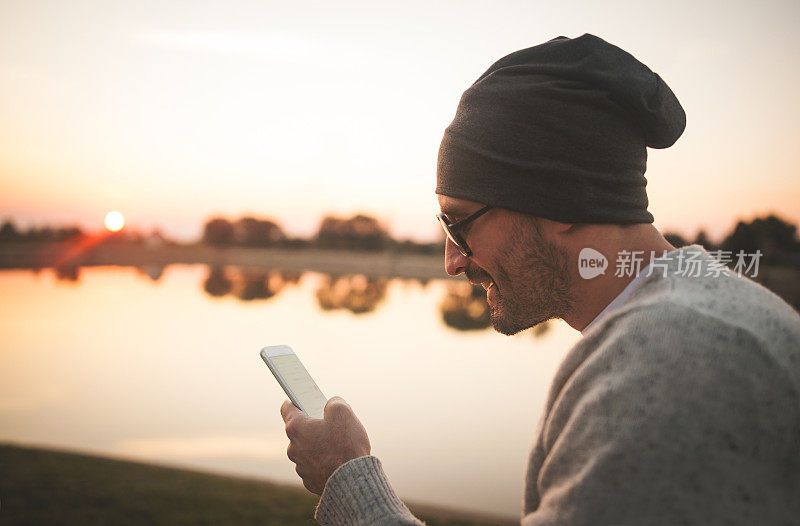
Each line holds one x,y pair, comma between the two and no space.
292,453
290,412
336,406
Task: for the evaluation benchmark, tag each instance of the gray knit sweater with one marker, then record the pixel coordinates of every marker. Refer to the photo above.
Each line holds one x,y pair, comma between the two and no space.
680,406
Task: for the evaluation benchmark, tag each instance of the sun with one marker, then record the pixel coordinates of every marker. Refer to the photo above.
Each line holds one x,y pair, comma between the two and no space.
115,221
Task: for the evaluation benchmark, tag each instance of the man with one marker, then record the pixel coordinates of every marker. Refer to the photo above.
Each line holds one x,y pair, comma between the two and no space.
681,404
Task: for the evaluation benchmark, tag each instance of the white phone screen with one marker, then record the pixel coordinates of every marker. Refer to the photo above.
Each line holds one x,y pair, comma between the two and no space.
303,387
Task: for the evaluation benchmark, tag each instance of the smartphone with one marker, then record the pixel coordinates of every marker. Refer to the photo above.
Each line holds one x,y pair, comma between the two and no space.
295,380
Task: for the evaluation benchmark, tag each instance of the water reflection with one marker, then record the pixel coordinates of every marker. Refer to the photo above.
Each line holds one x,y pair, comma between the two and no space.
542,329
183,382
464,307
248,284
217,283
154,272
357,293
68,273
258,285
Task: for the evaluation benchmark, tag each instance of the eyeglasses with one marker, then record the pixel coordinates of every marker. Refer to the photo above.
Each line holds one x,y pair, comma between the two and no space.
452,229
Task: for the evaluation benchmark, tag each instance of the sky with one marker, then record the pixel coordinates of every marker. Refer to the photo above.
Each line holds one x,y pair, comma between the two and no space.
174,112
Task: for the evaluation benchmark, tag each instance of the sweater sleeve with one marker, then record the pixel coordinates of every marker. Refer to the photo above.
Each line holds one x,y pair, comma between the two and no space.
662,427
359,494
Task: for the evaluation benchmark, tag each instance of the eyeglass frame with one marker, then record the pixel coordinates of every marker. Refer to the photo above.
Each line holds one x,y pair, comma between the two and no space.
451,230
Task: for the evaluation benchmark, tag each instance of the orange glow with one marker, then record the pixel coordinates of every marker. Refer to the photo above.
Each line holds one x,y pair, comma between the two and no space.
71,253
115,221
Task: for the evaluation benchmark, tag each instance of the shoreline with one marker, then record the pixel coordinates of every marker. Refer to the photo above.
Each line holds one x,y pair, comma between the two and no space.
782,280
334,262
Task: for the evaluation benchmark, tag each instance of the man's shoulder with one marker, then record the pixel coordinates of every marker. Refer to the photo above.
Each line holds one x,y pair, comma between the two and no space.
677,307
680,345
678,330
717,294
665,392
666,361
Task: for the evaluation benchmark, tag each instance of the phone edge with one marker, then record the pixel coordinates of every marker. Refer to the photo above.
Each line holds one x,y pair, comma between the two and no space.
281,382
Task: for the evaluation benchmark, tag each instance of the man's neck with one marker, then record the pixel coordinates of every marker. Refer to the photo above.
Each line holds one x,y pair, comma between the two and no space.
594,295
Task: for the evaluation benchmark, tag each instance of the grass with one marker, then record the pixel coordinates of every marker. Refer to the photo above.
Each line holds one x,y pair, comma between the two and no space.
39,486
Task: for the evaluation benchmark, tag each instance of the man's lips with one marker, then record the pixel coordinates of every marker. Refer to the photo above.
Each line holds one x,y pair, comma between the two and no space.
485,283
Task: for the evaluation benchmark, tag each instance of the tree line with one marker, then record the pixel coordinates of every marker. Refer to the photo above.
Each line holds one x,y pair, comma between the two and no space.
359,232
10,232
776,238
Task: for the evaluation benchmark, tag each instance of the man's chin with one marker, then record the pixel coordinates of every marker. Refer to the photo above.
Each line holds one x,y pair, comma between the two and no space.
506,330
509,327
503,325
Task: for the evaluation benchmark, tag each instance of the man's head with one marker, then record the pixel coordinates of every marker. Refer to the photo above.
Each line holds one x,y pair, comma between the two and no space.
554,138
529,265
526,276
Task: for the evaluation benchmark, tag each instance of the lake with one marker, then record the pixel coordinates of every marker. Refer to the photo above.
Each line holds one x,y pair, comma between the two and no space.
162,365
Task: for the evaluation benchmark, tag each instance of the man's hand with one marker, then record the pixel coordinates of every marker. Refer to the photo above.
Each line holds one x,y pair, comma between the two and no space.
319,446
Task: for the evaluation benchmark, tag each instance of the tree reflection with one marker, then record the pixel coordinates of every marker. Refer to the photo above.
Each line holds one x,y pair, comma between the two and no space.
464,307
68,273
248,284
357,293
217,283
154,272
291,276
542,329
260,285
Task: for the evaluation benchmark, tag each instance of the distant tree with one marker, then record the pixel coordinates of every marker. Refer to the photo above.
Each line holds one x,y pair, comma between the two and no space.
359,232
774,237
40,234
676,240
408,245
777,234
218,232
68,233
743,237
702,240
257,232
9,232
295,242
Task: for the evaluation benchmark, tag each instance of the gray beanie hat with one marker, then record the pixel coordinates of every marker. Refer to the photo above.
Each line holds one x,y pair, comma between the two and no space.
561,130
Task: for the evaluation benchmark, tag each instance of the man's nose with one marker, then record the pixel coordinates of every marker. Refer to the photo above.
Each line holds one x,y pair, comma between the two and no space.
454,261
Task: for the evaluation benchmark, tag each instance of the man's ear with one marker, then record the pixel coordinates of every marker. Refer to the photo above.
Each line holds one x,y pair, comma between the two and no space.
554,229
565,227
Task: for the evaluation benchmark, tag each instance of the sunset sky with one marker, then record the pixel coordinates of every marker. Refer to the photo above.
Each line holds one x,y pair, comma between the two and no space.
172,112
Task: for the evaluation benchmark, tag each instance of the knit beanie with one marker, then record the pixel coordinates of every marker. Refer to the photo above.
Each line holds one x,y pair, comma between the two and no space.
561,130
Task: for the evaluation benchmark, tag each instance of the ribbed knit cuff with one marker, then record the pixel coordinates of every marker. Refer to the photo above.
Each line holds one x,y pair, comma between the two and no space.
358,493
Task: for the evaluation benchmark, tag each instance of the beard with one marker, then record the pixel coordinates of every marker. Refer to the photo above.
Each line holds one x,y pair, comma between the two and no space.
532,283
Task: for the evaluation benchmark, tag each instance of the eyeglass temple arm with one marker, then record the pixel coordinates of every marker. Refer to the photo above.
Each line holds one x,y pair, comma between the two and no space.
476,214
